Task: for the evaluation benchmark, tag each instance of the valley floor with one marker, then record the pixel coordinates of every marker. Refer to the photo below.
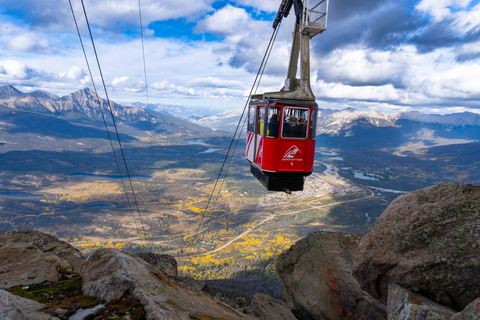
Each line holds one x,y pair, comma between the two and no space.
77,196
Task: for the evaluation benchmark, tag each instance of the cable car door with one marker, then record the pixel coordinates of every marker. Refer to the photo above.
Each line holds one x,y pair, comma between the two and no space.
294,139
256,127
251,134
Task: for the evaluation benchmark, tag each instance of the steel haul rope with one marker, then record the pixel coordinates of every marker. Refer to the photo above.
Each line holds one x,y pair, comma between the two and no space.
112,115
264,61
243,126
146,83
97,98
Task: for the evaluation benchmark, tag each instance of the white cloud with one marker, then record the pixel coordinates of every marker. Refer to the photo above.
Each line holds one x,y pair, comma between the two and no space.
74,73
340,91
7,28
440,9
402,77
22,75
226,21
28,43
459,81
356,66
109,13
215,82
264,5
223,93
170,88
468,49
13,70
467,21
118,80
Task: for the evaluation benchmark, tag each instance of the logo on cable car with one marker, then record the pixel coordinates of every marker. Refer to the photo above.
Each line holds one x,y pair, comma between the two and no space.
291,153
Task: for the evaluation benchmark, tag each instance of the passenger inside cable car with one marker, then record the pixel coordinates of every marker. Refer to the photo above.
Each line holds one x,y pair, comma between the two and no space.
273,126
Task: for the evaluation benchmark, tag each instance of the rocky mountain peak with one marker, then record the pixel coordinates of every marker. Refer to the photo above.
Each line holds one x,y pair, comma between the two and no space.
455,119
40,94
82,95
9,91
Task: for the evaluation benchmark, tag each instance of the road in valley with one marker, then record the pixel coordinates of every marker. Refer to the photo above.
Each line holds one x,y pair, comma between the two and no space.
285,214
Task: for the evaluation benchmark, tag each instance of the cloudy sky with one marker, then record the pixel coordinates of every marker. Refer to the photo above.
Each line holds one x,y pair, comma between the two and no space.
386,55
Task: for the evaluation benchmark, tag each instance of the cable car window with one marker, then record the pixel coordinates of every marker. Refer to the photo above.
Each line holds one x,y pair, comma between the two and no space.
295,123
273,122
313,125
251,119
261,120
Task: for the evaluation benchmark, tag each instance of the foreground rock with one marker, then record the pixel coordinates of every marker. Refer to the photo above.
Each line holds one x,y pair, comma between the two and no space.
264,307
405,304
108,274
427,241
15,307
162,262
30,257
471,312
316,274
84,313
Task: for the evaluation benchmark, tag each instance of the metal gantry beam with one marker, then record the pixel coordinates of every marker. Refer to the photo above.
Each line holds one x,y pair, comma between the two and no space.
311,21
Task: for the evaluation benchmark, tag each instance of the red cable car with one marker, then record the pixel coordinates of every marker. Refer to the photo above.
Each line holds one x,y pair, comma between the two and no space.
281,142
282,125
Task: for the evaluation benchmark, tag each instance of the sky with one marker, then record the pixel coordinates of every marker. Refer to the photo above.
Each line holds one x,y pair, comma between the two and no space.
385,55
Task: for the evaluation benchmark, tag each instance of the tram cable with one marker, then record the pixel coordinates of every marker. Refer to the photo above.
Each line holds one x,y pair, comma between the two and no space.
243,126
146,82
244,121
114,124
113,120
262,65
101,110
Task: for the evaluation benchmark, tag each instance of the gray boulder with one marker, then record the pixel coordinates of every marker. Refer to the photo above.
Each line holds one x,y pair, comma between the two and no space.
264,307
30,257
18,308
471,312
317,279
162,262
427,241
83,313
109,273
404,304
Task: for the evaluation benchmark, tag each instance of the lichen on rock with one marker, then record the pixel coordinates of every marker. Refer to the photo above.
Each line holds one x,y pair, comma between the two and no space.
30,257
316,274
109,274
427,241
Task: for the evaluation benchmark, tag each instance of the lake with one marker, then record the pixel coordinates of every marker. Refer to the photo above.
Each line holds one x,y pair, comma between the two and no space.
210,150
198,142
21,195
99,206
365,176
201,143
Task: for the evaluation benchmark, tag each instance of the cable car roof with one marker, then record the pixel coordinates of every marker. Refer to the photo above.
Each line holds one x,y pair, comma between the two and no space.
286,102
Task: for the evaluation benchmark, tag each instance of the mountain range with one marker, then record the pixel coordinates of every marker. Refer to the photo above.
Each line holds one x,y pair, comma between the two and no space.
406,131
188,113
348,128
82,102
334,121
357,129
82,107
